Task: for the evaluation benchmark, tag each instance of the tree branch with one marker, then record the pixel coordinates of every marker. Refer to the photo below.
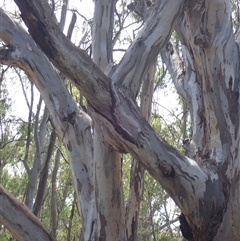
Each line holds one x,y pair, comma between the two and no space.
115,111
18,219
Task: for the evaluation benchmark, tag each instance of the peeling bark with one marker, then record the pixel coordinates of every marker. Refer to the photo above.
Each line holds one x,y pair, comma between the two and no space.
108,178
204,185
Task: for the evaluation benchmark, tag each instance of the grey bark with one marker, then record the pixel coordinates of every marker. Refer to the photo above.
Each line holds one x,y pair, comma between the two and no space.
205,186
67,120
20,221
108,182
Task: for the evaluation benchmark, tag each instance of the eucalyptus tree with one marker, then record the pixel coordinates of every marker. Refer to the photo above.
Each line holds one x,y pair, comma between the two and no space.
204,183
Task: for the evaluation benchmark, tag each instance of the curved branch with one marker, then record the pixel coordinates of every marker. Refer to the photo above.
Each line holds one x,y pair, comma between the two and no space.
80,68
19,220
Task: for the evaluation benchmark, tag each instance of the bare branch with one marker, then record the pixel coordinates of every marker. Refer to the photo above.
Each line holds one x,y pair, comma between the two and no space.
18,219
71,25
63,14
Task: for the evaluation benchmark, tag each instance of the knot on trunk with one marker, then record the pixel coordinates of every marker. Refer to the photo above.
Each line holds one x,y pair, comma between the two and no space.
202,41
166,168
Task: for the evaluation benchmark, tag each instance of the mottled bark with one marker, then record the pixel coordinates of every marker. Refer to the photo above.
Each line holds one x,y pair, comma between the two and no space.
108,179
72,126
204,186
208,81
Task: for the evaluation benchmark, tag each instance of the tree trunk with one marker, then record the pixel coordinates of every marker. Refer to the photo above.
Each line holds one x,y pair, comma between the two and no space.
137,171
108,179
204,184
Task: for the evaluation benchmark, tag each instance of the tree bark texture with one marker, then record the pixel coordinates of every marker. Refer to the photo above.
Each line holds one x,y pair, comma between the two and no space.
204,184
108,179
67,120
20,221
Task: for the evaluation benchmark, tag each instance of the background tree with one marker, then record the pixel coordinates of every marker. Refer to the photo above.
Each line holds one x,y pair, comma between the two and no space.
202,59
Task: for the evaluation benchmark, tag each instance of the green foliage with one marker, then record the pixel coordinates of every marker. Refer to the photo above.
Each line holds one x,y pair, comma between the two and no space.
14,177
153,217
5,235
14,180
235,13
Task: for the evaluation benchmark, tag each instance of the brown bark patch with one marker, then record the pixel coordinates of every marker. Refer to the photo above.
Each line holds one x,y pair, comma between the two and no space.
79,186
103,227
166,168
69,146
